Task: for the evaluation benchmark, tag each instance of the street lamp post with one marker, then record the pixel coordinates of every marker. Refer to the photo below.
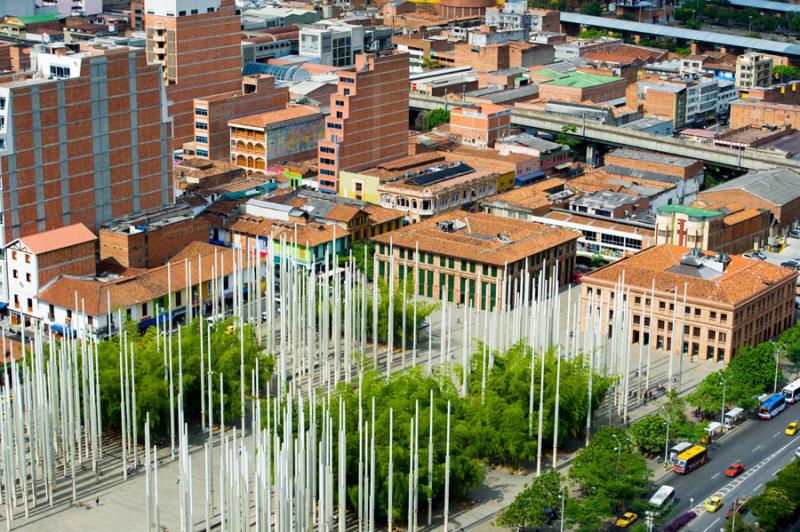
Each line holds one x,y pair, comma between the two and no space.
722,413
649,520
666,442
618,448
777,355
563,502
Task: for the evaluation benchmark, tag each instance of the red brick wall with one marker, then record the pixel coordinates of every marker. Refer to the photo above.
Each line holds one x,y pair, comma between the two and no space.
207,60
74,260
149,249
80,178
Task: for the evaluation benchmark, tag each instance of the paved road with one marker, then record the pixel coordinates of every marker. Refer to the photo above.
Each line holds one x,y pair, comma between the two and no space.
760,445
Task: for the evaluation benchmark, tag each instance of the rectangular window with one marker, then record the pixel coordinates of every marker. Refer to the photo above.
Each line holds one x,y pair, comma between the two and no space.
339,114
334,125
202,153
28,277
346,80
325,160
225,283
201,125
339,103
15,274
325,149
201,140
325,171
144,309
59,72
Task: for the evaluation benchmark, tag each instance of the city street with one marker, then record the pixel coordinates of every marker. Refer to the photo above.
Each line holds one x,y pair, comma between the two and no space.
760,445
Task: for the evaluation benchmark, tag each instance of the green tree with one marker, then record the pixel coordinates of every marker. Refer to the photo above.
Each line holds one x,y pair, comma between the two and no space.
649,433
790,342
567,138
428,63
779,503
437,117
750,373
594,9
609,473
535,503
499,420
785,73
363,254
773,508
403,392
152,390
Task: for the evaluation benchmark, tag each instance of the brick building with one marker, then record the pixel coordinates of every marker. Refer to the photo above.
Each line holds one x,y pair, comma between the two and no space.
149,239
756,113
577,87
368,121
259,141
777,190
480,125
33,261
212,114
464,257
730,300
464,8
727,228
198,42
87,140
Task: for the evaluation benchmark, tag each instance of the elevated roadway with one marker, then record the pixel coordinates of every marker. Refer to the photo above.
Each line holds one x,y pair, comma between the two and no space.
747,159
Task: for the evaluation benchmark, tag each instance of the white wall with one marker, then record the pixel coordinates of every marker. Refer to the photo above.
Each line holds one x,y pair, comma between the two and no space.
171,8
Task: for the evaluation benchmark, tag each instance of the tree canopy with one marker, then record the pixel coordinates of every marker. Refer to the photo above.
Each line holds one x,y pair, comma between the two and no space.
152,386
609,473
537,504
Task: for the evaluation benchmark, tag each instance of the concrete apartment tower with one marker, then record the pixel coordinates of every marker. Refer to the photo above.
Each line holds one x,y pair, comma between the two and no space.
84,140
368,122
199,45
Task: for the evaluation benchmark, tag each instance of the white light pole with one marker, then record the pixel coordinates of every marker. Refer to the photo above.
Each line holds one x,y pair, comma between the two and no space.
722,413
666,442
777,356
563,498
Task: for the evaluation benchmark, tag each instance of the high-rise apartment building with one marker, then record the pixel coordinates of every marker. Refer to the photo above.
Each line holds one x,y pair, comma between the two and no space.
753,70
83,140
199,45
368,121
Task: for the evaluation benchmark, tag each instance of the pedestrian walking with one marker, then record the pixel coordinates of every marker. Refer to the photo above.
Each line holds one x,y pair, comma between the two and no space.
97,502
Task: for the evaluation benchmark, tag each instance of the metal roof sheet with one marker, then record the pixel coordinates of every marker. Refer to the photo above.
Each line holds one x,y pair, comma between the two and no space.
778,186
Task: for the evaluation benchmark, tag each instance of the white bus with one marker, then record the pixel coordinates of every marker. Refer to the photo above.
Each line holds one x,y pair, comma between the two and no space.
792,392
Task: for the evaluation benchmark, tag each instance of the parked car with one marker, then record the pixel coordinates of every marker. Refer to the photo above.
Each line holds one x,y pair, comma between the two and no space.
755,255
793,264
794,233
734,470
739,506
680,522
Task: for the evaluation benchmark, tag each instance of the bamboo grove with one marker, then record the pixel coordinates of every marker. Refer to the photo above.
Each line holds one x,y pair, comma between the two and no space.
327,402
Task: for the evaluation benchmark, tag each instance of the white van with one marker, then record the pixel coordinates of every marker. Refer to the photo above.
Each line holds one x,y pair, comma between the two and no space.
662,497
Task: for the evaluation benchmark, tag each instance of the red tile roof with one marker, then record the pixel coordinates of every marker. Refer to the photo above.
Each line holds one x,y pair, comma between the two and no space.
63,237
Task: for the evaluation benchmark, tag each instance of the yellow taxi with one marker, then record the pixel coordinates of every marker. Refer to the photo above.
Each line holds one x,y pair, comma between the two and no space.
626,519
713,504
792,428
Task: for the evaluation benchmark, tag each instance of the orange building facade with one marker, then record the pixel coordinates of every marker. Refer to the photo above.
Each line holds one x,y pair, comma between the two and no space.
368,121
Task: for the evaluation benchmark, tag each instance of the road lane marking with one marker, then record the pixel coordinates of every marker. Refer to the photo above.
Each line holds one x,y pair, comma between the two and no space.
715,476
711,525
736,482
757,447
776,434
756,488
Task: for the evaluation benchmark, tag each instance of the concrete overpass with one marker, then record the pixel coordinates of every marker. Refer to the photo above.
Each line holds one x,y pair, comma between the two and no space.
594,132
575,21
